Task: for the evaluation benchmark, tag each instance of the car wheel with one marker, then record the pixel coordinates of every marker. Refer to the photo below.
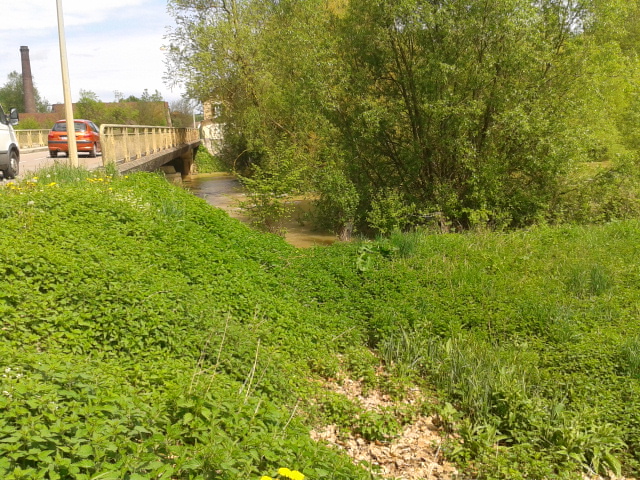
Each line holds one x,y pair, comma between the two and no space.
92,153
53,154
14,165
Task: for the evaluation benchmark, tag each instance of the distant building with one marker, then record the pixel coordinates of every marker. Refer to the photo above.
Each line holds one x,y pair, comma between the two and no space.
212,126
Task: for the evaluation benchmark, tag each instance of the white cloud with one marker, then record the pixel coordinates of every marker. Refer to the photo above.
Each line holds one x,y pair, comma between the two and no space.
42,14
111,46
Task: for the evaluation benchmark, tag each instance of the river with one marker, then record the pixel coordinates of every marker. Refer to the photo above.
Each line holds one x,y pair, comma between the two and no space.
224,191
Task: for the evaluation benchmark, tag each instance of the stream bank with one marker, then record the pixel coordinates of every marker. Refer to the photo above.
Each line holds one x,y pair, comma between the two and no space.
223,190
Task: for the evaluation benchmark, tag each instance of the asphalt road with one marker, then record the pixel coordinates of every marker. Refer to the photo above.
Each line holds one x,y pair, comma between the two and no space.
32,161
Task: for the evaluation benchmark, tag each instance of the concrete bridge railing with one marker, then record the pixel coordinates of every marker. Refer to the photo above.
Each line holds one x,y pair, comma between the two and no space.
123,144
32,138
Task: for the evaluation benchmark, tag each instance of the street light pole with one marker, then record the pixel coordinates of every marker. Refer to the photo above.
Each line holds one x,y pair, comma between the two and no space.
68,105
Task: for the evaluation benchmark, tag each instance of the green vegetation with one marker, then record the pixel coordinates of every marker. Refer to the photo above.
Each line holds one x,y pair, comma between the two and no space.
12,94
147,335
205,162
146,110
480,112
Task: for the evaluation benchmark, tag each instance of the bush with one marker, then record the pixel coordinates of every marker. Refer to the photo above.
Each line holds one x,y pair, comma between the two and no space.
207,163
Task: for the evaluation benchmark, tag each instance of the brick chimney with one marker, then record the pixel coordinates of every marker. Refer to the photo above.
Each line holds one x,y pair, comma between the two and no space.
27,82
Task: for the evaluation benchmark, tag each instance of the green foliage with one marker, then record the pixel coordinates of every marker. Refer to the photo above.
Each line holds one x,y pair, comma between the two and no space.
589,280
207,163
480,112
389,212
147,335
630,353
600,193
269,189
28,124
336,207
402,352
148,110
528,336
110,373
12,94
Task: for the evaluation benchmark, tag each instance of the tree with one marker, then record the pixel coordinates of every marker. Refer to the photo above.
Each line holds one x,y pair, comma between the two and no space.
12,94
89,106
475,110
267,63
181,113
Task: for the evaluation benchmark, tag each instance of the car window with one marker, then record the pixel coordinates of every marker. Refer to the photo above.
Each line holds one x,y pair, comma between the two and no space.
3,118
62,126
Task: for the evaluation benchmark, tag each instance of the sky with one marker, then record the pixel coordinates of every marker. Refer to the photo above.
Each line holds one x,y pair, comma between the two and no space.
114,45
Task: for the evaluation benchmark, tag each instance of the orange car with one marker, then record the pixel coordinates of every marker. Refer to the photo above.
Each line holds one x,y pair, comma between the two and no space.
87,138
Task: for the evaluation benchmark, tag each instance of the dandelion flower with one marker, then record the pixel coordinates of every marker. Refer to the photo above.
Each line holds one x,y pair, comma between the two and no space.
265,477
284,472
290,474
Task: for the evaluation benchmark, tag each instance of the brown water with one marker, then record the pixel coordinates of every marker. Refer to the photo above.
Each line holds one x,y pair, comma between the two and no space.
222,190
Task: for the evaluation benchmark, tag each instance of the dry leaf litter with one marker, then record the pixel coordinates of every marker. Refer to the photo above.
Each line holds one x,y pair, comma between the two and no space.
415,454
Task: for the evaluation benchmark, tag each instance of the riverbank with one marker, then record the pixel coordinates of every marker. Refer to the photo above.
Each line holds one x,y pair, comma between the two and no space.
224,191
147,335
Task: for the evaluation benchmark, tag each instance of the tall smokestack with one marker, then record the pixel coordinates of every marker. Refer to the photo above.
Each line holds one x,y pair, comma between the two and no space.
27,82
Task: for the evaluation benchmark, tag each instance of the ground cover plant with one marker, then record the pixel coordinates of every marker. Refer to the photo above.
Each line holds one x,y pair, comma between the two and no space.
142,338
531,338
147,335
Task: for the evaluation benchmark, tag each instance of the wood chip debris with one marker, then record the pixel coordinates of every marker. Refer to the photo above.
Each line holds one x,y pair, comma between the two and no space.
415,454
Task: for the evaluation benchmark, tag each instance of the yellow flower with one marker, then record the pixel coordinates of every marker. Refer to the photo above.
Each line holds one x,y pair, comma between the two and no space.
51,184
284,472
290,474
264,477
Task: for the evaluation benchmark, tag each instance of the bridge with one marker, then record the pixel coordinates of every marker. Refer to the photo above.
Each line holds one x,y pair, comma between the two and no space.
134,147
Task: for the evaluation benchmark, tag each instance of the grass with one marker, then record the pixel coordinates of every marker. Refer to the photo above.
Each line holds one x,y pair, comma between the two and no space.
147,335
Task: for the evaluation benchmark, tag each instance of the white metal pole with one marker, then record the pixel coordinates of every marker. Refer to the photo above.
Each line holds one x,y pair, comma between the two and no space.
68,105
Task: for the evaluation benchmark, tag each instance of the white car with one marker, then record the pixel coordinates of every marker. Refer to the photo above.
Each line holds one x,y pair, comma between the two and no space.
9,150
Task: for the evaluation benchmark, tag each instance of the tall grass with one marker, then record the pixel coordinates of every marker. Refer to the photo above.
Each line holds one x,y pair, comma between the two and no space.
630,353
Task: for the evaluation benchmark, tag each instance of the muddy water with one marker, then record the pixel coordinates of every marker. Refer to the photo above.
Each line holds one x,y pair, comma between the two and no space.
224,191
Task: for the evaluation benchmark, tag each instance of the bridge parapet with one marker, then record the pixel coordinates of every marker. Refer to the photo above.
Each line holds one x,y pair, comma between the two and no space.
127,143
32,138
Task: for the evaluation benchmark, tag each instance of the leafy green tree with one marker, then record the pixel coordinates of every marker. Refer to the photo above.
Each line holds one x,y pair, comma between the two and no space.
146,112
274,101
181,113
475,110
12,94
90,107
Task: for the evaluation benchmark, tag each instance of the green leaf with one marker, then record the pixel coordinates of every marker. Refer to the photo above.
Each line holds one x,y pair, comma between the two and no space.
84,451
192,464
107,475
